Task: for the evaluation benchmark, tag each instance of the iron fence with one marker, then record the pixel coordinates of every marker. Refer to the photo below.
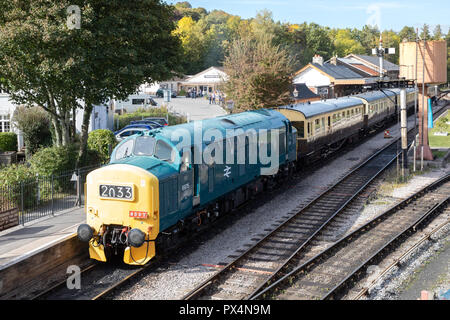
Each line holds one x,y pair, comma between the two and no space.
45,195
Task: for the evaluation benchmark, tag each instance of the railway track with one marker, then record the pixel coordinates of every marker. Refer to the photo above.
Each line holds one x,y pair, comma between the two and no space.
326,275
97,280
274,254
358,293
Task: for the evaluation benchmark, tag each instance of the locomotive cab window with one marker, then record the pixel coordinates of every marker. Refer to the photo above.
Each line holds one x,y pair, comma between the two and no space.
144,146
164,151
125,149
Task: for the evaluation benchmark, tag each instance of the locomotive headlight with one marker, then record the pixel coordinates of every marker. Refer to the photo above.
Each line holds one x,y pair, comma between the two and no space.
85,232
136,238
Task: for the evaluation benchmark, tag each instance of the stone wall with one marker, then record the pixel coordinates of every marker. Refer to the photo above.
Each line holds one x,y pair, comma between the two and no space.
9,218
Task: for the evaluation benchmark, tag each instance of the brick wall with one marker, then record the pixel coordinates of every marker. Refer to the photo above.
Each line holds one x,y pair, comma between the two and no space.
9,218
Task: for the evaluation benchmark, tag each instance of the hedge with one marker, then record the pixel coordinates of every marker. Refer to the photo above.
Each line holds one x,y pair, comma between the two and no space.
126,118
8,141
99,142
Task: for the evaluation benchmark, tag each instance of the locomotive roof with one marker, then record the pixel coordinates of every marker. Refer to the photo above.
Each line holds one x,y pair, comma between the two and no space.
263,118
319,107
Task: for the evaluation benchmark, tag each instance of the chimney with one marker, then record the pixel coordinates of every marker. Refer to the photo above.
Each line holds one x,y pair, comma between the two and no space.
318,59
333,60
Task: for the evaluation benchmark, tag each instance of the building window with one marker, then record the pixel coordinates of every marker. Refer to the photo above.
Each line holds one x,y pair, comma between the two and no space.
5,123
138,101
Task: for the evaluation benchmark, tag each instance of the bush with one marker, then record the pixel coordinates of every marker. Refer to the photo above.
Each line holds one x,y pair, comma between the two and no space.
34,123
10,186
99,142
54,160
140,114
8,141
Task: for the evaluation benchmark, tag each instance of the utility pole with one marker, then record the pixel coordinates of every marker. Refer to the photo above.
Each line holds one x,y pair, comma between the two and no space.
404,132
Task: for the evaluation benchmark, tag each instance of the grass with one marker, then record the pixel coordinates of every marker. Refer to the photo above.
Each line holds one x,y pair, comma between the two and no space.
438,154
440,125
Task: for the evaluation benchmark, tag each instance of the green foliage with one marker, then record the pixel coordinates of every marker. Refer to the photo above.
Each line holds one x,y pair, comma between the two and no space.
258,73
34,124
11,178
53,160
8,141
14,174
120,45
140,114
345,44
100,141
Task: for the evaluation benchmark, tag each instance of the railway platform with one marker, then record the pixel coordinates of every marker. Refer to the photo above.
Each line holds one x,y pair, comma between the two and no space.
39,250
21,242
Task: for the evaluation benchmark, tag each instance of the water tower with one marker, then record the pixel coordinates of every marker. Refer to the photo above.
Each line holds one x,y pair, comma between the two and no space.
425,62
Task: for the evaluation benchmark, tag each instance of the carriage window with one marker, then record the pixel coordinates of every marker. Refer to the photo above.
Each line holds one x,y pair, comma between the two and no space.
317,125
125,149
144,146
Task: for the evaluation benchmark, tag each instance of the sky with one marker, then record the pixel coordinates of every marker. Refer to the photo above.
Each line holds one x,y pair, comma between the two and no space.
341,13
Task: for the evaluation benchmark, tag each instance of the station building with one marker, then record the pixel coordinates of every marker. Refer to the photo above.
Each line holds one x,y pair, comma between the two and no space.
331,79
204,82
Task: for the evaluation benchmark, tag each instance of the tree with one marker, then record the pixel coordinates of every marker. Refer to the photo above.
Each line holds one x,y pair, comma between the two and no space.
425,34
407,33
259,73
437,33
391,40
34,124
195,38
119,46
318,42
344,44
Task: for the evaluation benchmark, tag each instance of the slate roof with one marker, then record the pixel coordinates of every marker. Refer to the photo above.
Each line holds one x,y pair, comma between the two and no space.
389,66
338,72
303,92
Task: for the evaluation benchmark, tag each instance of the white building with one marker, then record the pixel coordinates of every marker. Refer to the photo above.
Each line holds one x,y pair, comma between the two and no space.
7,108
206,81
102,117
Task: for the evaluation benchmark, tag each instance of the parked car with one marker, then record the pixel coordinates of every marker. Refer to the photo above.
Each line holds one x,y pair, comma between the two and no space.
133,129
147,121
160,120
160,93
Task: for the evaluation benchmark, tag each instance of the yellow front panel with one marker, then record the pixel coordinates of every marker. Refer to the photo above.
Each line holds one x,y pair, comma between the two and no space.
107,211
